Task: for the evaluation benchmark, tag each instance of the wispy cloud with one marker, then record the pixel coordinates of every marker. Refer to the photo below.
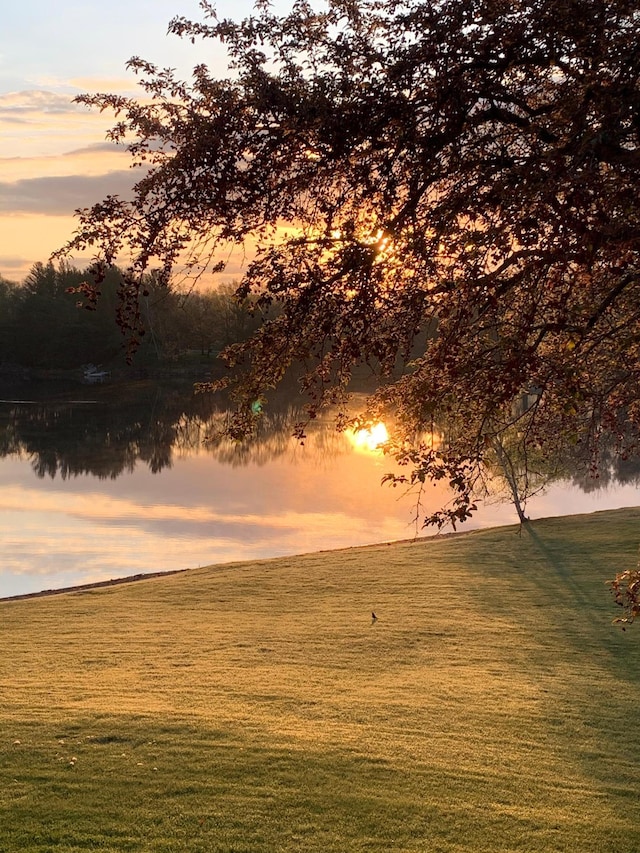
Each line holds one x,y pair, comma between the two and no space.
23,104
103,509
96,148
62,195
40,123
13,262
89,161
74,538
56,159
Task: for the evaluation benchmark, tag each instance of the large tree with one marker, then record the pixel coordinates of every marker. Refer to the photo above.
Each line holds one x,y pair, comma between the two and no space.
446,191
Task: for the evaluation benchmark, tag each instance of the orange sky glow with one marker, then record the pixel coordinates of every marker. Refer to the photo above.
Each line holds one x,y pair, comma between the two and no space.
54,156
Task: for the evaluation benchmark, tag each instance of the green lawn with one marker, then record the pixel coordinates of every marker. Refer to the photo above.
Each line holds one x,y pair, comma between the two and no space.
254,707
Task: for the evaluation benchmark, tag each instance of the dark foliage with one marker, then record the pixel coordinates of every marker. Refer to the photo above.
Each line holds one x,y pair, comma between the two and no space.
446,191
40,326
626,591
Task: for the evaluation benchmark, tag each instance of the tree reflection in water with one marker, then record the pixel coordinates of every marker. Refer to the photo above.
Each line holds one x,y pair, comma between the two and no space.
114,430
106,432
207,504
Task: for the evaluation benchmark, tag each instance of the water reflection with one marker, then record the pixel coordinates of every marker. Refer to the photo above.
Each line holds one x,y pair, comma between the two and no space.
126,482
130,484
108,435
369,440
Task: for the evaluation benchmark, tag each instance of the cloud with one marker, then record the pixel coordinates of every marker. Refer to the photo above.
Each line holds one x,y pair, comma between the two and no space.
62,535
15,105
9,119
13,262
88,160
60,195
96,148
120,84
39,122
104,510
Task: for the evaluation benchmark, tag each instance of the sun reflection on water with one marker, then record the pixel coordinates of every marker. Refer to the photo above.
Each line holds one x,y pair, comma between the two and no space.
369,440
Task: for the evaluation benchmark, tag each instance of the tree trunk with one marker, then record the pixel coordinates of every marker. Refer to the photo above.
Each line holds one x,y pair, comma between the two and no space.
511,478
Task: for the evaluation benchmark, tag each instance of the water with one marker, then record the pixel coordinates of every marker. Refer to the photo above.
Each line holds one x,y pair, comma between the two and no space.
115,485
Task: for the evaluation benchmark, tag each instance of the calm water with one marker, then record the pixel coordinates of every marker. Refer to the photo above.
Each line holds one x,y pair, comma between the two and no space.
105,487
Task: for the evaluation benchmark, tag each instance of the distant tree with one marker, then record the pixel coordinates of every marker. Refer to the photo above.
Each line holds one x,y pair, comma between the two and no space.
446,191
6,285
45,317
174,322
8,303
203,322
236,316
51,281
40,324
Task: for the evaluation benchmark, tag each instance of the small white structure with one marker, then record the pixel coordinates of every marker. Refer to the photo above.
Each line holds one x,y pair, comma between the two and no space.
92,375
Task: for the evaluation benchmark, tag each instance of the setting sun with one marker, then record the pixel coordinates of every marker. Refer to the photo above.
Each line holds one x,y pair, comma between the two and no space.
371,439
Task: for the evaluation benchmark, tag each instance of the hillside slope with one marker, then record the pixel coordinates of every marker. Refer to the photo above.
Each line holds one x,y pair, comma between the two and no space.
256,706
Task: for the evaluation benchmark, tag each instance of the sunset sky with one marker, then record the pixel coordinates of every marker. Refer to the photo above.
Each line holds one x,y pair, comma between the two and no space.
53,154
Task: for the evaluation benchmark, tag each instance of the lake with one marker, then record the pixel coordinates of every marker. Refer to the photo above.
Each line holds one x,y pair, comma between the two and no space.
104,483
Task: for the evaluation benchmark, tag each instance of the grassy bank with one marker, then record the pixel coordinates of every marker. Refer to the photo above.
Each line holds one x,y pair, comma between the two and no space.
255,707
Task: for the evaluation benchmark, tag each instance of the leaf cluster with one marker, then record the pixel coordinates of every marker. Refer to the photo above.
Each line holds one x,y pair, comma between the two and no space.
625,588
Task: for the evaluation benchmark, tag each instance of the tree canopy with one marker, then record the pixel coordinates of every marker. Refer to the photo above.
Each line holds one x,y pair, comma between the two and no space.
444,190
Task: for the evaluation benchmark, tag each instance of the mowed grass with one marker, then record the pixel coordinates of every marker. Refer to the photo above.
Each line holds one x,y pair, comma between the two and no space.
254,707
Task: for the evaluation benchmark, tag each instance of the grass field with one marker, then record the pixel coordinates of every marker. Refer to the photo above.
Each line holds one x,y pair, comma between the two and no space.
255,707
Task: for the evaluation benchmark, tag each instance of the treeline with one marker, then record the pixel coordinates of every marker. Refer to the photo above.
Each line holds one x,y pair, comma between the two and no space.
42,325
142,424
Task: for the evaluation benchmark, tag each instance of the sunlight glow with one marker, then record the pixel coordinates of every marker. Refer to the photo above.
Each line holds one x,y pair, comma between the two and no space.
369,440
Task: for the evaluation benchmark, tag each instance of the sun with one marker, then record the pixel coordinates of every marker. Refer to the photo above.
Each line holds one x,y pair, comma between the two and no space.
369,440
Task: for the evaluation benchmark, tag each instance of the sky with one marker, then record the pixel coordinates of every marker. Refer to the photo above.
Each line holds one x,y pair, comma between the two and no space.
54,156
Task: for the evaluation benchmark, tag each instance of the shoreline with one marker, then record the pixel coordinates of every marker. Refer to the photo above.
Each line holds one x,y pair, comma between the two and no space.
85,587
141,576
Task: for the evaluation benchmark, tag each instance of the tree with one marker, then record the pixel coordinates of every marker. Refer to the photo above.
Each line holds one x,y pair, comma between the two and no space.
47,326
8,301
444,190
43,327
